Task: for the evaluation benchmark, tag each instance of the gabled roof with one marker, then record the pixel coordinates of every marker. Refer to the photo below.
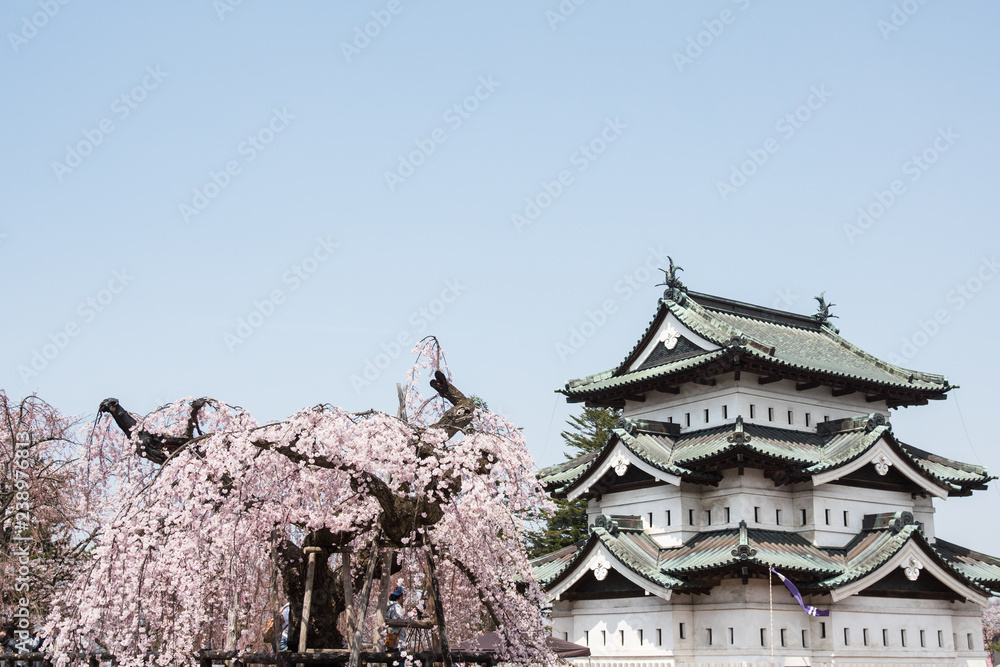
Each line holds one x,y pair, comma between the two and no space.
889,544
758,340
876,554
832,452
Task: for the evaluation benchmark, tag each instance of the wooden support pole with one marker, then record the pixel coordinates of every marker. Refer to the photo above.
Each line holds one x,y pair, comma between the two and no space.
276,621
345,569
366,591
383,597
438,610
307,600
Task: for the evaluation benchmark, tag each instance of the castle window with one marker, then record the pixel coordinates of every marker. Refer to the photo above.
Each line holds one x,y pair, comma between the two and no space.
804,517
650,519
680,630
790,417
902,638
708,517
727,515
586,637
770,414
725,412
753,411
846,518
604,638
668,517
659,636
885,637
822,630
864,636
687,418
670,420
805,639
808,418
690,517
710,636
706,415
732,638
826,418
847,636
777,517
971,641
826,513
640,636
783,637
940,639
763,636
565,636
923,639
621,637
756,515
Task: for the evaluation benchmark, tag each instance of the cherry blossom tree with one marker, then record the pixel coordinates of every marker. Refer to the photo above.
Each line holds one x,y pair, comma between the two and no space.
991,622
215,500
45,525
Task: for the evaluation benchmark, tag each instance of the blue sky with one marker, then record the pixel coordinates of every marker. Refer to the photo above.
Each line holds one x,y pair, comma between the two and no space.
490,173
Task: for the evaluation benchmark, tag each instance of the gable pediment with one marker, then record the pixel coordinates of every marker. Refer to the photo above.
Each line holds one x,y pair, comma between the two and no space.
670,341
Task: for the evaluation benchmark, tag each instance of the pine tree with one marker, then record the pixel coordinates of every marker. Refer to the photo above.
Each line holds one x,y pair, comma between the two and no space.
588,432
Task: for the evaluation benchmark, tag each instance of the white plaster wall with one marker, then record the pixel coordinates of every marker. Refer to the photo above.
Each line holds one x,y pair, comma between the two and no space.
738,396
737,614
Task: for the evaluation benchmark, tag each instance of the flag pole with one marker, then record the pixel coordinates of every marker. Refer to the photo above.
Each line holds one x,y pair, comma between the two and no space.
770,605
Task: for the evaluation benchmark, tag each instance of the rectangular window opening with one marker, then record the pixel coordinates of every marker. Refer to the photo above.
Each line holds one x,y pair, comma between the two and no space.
763,636
822,630
687,418
650,519
940,639
753,411
777,517
804,521
923,639
725,412
846,518
586,637
706,415
971,641
826,418
756,515
847,636
640,636
727,515
864,636
885,637
826,513
790,420
690,517
680,630
621,637
670,420
808,418
770,414
710,636
668,517
659,636
732,637
604,638
783,642
708,517
805,639
565,636
902,638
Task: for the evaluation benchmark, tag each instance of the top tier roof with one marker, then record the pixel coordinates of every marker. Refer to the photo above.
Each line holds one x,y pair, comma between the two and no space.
754,339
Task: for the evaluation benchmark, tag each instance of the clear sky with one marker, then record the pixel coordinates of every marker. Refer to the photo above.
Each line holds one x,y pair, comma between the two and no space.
254,200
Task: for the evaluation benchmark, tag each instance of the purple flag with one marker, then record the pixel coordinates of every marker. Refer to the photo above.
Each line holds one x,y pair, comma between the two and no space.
812,611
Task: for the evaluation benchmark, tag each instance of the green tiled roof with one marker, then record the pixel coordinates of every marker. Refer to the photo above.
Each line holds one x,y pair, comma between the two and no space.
779,341
802,454
707,554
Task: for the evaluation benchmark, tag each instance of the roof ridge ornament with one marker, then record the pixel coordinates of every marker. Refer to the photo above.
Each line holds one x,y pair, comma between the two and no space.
675,288
823,315
739,436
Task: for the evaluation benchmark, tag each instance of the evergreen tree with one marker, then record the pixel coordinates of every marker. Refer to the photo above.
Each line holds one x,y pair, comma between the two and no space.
588,432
